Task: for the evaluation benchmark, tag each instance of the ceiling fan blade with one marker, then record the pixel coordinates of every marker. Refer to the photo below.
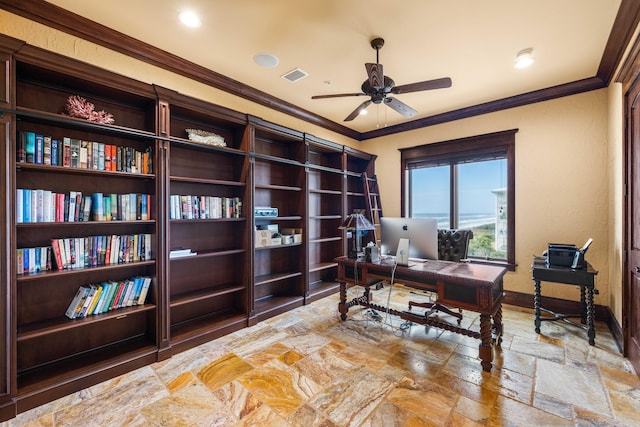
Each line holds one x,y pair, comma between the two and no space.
426,85
338,95
400,107
355,113
376,75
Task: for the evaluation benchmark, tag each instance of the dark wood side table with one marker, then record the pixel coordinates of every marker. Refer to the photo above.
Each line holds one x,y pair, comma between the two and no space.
585,278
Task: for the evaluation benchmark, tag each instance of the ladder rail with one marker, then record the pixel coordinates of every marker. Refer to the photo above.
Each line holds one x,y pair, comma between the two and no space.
374,205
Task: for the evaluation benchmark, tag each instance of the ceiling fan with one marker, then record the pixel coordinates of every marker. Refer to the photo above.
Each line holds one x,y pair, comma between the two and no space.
378,86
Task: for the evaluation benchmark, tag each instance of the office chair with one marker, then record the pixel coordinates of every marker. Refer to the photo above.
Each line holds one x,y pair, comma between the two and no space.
453,245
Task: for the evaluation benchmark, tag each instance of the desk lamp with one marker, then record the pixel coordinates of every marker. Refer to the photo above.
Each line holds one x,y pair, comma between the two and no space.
358,224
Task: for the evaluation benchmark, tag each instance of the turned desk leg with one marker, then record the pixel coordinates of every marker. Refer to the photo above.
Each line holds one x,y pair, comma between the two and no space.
497,325
485,349
591,312
536,304
343,308
583,306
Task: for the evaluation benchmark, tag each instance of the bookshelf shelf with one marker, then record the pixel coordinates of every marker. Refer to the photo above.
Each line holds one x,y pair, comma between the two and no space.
205,294
47,275
206,181
32,331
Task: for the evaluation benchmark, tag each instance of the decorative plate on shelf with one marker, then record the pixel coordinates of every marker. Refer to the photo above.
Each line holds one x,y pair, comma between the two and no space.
205,137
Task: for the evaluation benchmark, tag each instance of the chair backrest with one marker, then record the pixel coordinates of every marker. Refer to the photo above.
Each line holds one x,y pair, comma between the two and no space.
453,245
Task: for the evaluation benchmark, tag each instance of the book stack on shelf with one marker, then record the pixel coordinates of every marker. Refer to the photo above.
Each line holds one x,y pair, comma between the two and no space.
204,207
47,206
33,260
108,296
76,153
181,253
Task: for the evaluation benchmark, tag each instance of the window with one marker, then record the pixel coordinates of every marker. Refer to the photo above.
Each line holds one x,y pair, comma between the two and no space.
466,183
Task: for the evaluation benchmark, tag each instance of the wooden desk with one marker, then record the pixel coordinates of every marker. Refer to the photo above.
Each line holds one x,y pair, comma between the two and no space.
585,278
467,286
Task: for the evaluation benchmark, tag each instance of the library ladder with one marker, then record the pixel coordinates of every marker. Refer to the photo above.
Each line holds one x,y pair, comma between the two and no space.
374,206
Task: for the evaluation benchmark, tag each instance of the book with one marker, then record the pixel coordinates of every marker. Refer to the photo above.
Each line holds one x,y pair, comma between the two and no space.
39,150
19,205
97,203
87,302
72,207
73,306
19,261
107,157
56,254
74,153
101,156
66,152
95,156
55,155
95,300
21,148
86,208
144,291
30,147
46,157
83,154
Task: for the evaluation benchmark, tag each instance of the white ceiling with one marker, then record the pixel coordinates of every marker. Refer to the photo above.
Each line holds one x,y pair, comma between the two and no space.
473,42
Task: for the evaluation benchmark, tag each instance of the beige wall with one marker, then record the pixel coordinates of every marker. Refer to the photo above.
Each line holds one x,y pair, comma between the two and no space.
615,166
568,174
562,179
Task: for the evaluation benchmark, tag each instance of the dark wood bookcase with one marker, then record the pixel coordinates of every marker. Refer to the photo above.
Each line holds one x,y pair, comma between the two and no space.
326,194
278,156
51,349
356,164
232,279
208,292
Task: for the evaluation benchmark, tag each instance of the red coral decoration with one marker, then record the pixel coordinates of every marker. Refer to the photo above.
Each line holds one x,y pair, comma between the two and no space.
79,107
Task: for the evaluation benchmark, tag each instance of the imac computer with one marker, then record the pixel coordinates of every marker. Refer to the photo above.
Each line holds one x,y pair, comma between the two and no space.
422,234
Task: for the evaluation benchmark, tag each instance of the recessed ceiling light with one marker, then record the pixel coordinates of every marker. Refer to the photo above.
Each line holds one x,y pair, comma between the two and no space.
266,60
362,111
524,58
189,18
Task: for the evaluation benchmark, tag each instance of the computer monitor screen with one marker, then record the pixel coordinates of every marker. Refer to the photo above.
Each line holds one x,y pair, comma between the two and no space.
421,232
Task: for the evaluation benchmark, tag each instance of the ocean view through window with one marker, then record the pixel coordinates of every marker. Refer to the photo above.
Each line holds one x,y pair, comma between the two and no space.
477,202
466,184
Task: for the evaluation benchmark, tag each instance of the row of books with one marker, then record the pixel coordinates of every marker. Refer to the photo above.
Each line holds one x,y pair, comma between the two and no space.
33,260
107,296
48,206
204,207
94,251
77,153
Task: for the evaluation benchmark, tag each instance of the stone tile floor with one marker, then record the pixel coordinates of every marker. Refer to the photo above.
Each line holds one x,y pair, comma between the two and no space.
308,368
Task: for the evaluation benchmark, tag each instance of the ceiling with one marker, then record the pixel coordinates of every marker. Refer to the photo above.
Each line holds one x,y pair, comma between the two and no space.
472,42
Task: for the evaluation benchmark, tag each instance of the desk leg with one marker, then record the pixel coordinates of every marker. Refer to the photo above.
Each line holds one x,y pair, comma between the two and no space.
343,308
497,325
485,349
591,312
536,304
583,306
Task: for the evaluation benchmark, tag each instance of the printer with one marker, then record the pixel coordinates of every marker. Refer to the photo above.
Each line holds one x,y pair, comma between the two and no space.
563,255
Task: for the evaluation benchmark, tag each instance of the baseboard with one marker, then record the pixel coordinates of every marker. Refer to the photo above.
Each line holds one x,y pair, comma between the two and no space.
603,313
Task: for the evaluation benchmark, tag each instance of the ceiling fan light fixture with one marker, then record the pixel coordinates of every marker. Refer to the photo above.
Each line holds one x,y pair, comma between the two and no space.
362,111
525,58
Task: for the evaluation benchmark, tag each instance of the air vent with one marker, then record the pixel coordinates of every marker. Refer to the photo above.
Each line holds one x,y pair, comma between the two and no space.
295,75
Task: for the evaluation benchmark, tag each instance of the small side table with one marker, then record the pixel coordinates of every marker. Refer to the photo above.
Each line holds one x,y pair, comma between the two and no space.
585,278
